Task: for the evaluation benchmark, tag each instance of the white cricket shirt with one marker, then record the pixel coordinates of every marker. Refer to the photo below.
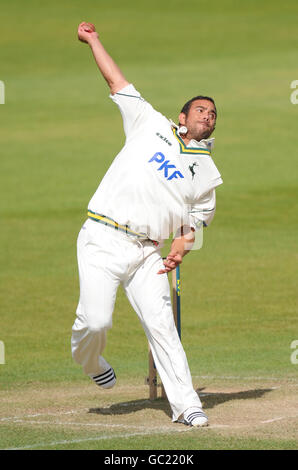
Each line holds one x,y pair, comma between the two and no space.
156,184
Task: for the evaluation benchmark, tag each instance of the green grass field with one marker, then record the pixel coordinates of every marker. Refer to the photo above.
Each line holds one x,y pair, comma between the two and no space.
59,134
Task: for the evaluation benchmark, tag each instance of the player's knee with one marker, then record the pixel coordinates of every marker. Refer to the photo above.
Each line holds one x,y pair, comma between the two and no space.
91,321
160,325
97,326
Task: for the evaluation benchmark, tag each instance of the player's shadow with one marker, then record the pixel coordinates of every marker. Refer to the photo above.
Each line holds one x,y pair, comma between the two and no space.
208,399
212,399
129,407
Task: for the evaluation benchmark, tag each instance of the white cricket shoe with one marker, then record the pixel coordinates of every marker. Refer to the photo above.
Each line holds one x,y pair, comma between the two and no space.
106,379
195,416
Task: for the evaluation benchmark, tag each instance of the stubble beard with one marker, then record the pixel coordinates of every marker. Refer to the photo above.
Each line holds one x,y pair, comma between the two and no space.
198,135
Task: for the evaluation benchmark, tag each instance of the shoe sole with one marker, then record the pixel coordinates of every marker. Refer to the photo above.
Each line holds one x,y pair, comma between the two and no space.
183,421
203,425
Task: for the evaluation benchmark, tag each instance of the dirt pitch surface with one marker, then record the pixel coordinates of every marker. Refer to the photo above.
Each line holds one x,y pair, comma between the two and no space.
48,416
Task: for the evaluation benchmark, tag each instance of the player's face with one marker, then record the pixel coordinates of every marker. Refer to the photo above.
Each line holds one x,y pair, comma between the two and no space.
200,120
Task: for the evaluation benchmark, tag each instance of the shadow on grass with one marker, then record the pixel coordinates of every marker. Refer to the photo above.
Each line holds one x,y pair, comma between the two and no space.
134,406
209,400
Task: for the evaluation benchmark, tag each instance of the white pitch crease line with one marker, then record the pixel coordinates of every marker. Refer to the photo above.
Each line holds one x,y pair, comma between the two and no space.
11,418
236,377
161,429
235,426
279,419
148,432
125,426
88,439
83,410
273,420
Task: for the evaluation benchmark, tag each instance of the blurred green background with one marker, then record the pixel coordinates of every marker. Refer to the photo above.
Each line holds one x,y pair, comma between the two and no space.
59,132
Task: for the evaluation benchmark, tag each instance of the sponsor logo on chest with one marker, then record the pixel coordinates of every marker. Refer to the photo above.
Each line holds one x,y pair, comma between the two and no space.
169,170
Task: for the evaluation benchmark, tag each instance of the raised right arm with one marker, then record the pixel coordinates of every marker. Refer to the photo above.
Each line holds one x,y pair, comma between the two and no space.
108,68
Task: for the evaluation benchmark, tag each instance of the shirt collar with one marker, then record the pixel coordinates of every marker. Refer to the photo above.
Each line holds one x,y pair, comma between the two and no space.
208,144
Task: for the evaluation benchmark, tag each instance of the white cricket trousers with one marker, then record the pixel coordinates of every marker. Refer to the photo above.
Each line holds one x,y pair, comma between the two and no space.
107,258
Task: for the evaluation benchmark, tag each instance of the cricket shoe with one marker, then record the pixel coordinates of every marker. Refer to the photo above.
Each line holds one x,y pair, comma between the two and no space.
106,379
195,416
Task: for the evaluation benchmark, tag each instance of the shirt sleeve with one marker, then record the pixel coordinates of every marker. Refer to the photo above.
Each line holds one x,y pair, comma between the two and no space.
203,211
134,109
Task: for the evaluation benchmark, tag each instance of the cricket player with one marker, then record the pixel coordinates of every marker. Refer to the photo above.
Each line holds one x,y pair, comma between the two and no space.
161,183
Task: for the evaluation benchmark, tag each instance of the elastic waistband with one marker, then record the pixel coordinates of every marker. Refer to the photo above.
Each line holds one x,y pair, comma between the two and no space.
103,219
